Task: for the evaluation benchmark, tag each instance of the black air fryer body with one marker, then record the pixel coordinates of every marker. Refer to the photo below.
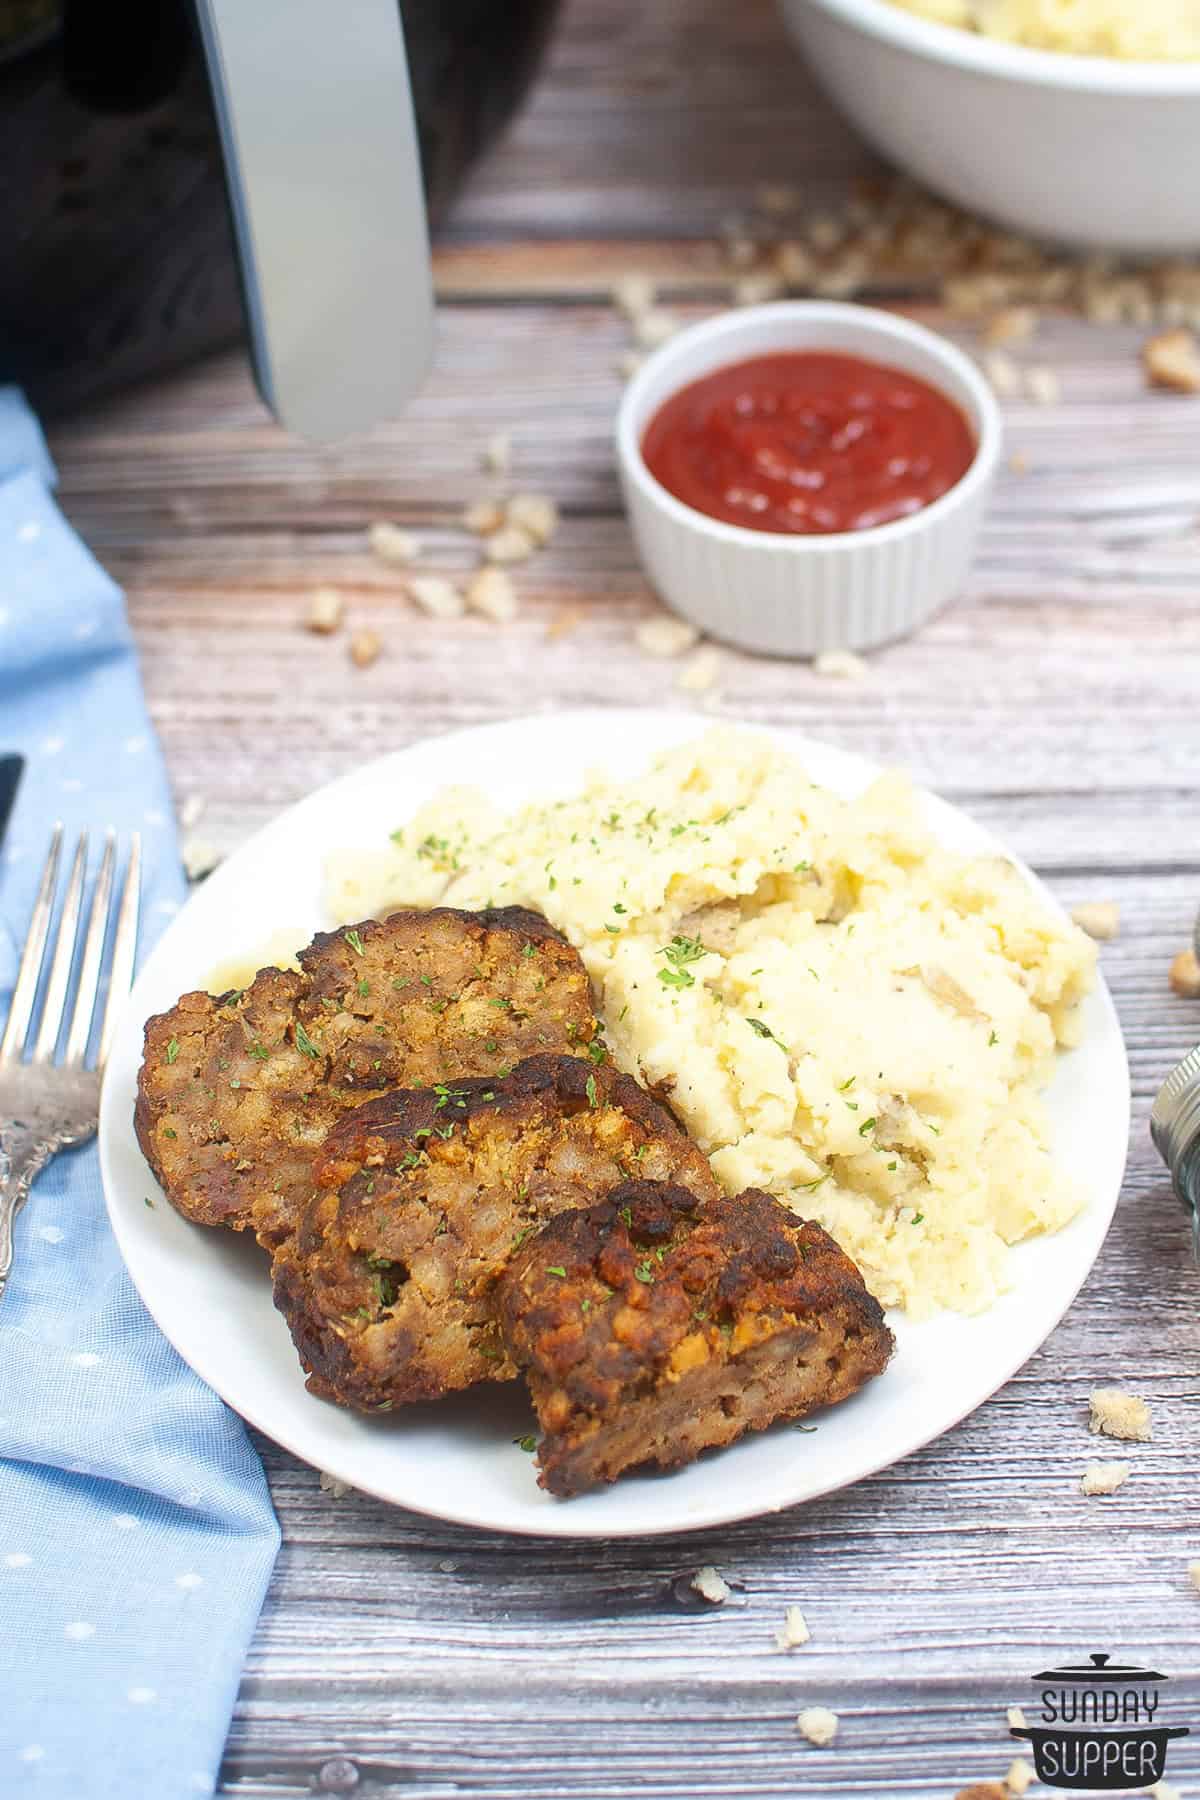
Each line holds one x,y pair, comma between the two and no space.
116,257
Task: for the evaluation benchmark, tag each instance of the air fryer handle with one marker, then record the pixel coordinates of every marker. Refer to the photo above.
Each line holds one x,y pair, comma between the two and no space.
324,175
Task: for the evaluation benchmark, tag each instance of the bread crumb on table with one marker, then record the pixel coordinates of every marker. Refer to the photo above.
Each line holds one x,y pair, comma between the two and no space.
1043,386
566,620
1018,462
534,514
199,858
818,1725
483,517
1185,975
511,544
365,646
757,289
1104,1477
497,453
664,635
795,1630
1120,1415
699,673
1020,1774
1194,1575
1172,360
490,593
1016,1718
839,665
633,294
1011,325
1101,919
654,327
1164,1790
436,595
325,609
628,363
710,1585
1003,374
332,1486
391,544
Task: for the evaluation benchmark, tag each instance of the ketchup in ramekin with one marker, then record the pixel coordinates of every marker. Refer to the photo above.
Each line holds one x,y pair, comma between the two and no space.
808,441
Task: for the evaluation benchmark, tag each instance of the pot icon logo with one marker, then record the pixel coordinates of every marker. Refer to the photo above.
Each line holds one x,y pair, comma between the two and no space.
1100,1727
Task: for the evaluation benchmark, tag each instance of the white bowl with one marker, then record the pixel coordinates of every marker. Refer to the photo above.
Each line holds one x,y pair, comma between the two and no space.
793,595
1087,150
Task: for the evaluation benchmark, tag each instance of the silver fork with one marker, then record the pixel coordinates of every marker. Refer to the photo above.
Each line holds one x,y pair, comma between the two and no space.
51,1101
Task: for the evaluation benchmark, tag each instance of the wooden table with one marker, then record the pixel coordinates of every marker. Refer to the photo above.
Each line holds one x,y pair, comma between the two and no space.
1057,701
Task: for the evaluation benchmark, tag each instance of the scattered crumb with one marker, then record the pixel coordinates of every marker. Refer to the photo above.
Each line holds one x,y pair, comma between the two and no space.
1194,1575
1018,462
393,545
510,544
191,810
566,620
497,454
710,1585
664,635
325,609
491,593
1099,918
1120,1415
198,858
534,514
331,1485
839,665
795,1630
628,363
777,198
794,264
1019,1776
1185,975
825,233
1104,1477
654,327
435,595
365,646
1172,360
484,516
818,1725
1003,374
756,290
1042,385
448,1567
633,295
741,252
1011,325
1016,1718
1164,1790
699,673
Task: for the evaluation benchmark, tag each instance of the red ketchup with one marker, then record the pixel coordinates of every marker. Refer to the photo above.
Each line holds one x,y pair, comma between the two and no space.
808,441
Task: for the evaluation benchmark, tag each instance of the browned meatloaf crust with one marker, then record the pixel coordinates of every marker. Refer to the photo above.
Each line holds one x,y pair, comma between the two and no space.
236,1093
388,1283
650,1328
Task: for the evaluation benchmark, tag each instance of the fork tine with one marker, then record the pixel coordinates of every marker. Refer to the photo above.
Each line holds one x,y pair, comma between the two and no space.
93,952
29,974
124,948
54,1003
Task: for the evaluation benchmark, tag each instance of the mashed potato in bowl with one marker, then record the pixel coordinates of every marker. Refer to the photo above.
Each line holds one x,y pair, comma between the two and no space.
1134,30
843,1012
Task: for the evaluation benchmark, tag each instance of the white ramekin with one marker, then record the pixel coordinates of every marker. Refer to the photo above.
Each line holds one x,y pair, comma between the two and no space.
788,595
1084,150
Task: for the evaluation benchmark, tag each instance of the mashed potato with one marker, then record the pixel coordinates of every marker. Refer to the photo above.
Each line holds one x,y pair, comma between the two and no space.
1135,30
845,1013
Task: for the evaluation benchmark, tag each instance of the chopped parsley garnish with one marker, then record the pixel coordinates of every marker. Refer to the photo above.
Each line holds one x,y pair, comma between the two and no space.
805,1187
585,1304
626,1213
590,1090
354,941
679,952
618,908
597,1052
993,1040
305,1044
763,1030
867,1125
260,1051
364,987
172,1050
397,837
556,1269
526,1231
528,1443
917,1218
528,949
147,1201
167,1132
644,1273
846,1085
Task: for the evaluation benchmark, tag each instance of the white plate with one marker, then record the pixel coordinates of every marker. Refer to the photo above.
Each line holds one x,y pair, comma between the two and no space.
209,1292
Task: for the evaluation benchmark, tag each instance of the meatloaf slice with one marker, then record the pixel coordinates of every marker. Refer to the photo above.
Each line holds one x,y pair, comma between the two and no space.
651,1328
388,1284
237,1092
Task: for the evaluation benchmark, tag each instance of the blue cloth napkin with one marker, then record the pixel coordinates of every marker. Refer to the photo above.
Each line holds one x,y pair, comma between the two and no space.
136,1531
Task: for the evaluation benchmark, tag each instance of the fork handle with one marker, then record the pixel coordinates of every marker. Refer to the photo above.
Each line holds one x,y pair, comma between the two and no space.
22,1158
